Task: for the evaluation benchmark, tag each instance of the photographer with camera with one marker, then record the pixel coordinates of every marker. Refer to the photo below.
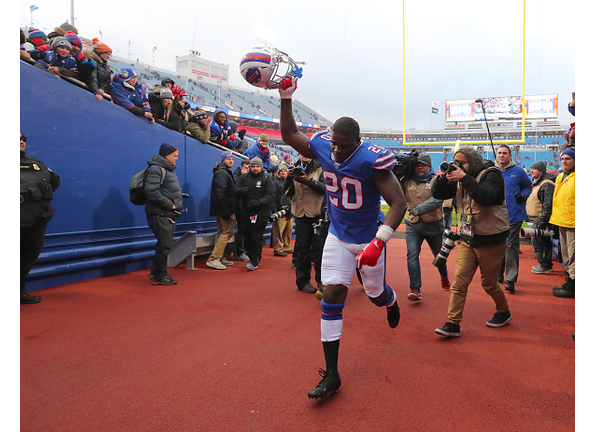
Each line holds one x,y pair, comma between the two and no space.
282,219
539,207
424,222
305,184
479,189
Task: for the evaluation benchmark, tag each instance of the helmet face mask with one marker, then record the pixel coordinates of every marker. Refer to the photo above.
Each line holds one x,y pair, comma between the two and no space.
266,67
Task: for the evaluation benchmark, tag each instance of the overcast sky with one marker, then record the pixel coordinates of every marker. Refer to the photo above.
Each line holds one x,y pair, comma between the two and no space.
457,49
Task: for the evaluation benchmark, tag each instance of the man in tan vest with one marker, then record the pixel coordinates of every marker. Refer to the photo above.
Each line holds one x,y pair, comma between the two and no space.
479,189
539,207
307,185
424,222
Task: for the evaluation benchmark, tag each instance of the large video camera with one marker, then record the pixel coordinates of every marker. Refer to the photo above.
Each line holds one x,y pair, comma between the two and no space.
405,164
448,244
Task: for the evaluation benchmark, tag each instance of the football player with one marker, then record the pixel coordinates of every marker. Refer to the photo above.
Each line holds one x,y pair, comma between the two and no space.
357,175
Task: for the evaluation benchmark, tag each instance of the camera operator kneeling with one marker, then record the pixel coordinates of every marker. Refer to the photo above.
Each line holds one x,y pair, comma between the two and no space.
479,189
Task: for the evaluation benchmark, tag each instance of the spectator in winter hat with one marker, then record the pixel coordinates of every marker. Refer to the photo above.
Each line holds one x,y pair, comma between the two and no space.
261,150
85,65
59,60
61,31
156,91
127,93
100,81
198,126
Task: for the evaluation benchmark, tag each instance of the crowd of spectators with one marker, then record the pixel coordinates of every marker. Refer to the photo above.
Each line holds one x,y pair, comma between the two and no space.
62,53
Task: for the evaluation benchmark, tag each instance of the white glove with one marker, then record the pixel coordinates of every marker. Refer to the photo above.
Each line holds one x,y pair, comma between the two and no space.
288,86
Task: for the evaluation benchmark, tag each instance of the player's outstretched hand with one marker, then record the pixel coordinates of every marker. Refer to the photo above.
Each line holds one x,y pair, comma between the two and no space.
370,253
288,86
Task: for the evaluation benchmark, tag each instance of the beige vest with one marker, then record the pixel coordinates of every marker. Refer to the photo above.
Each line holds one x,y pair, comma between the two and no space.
533,204
307,202
417,194
485,220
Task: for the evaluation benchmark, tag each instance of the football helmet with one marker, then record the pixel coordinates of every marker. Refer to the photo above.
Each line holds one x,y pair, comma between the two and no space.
266,67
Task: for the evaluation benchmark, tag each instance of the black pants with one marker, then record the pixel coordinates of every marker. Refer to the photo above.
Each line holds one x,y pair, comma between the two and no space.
308,250
239,235
543,249
32,239
163,228
253,235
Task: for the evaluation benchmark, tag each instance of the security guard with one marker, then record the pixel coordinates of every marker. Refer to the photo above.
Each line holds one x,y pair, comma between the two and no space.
38,184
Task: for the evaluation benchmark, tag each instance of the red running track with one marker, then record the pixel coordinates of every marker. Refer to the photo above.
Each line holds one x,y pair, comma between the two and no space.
237,350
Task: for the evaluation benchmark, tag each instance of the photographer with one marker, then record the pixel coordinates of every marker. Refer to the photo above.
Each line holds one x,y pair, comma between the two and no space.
424,222
479,189
282,225
306,185
539,207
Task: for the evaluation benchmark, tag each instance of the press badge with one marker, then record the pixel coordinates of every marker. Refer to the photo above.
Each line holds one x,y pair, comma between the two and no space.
253,219
466,225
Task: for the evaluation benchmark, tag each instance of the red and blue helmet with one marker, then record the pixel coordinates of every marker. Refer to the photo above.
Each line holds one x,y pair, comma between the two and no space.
266,67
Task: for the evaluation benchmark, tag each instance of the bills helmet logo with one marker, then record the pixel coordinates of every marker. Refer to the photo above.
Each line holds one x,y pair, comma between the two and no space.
253,75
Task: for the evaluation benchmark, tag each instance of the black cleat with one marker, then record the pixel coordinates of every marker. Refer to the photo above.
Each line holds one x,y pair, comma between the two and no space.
329,384
393,315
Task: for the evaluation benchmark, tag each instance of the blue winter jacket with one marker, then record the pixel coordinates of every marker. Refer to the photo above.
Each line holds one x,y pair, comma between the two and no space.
516,182
260,152
134,101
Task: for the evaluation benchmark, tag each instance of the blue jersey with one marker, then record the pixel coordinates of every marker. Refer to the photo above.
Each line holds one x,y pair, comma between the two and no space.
353,198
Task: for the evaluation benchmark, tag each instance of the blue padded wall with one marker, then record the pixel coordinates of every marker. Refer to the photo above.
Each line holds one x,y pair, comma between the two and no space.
96,148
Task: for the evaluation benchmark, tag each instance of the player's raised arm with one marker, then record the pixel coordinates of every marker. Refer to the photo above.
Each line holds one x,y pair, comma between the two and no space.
289,130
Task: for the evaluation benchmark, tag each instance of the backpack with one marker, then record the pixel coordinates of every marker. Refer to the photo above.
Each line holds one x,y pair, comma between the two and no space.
137,195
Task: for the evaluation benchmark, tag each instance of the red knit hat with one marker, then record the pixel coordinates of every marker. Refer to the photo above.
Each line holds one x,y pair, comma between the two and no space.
100,47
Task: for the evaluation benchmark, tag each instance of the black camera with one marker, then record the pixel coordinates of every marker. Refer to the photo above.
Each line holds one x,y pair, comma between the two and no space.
298,171
322,224
405,164
536,232
448,167
447,246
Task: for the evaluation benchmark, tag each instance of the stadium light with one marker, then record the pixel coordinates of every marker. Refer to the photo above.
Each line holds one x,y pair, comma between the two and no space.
458,142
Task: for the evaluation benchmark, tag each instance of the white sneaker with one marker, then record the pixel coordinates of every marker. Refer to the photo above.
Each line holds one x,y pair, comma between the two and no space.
226,263
216,264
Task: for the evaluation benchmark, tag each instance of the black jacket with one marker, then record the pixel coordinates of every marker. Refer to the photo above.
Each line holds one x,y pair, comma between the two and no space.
223,200
490,191
160,197
101,75
281,198
257,193
38,184
175,122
